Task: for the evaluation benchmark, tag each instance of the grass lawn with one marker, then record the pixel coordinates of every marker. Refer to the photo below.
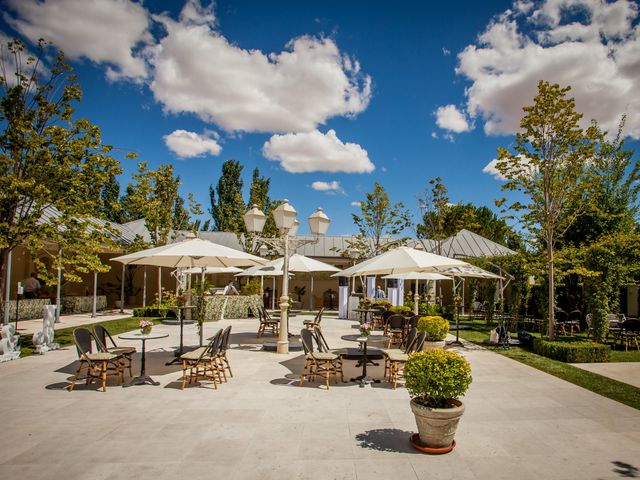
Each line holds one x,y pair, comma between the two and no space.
607,387
64,336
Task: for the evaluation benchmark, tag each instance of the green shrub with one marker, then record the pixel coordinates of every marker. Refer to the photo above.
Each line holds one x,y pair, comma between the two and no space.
572,351
435,328
252,287
435,377
401,309
154,312
382,303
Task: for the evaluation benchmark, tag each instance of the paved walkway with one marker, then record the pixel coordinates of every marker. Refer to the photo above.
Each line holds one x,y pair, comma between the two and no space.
626,372
29,327
520,423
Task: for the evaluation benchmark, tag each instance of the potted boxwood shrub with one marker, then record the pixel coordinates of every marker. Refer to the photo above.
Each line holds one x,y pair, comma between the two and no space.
435,380
435,329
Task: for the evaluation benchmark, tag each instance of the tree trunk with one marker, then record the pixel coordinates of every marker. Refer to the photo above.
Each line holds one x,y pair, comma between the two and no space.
552,298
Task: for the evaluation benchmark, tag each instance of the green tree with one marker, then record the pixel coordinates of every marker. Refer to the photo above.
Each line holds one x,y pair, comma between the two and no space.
48,159
549,168
378,220
259,195
154,194
181,215
227,205
110,208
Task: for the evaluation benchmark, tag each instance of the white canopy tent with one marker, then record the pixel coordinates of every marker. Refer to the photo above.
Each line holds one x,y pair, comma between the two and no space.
417,276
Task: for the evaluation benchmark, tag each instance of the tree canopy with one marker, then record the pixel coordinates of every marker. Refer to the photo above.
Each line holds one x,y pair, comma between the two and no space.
227,205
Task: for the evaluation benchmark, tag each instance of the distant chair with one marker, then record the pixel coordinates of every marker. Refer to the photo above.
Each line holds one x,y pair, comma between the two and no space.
315,323
95,365
222,352
629,332
104,339
394,329
267,323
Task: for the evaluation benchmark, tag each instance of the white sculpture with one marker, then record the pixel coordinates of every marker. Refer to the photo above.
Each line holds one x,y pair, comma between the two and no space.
43,340
9,348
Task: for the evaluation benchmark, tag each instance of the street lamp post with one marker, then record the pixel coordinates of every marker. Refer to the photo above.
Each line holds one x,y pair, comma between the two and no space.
285,219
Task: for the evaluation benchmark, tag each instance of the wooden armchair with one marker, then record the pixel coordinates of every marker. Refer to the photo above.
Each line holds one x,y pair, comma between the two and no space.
267,323
104,339
321,364
202,363
95,365
315,323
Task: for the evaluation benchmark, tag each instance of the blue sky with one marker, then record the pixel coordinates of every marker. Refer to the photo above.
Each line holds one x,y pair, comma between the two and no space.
347,93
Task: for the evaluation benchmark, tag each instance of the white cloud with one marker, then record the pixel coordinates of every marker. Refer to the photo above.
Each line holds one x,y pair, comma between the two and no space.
524,168
356,204
446,52
197,70
450,118
599,56
491,169
187,144
434,135
317,152
105,31
328,187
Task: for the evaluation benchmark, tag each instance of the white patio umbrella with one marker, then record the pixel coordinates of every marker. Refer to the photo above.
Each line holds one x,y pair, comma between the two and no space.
301,264
417,276
265,271
194,252
401,260
212,270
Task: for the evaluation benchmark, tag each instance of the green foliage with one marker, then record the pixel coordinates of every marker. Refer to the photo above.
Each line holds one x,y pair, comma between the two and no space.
572,351
252,287
110,208
401,309
431,309
435,377
382,302
550,169
435,328
49,159
154,311
299,291
378,218
227,208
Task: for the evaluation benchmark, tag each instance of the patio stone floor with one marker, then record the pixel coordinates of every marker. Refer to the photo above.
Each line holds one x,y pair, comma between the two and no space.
520,423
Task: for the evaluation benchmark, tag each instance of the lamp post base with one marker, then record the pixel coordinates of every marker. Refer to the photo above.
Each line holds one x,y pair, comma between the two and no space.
282,347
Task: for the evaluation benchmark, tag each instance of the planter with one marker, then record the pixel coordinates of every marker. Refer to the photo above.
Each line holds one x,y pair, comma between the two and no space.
437,426
433,345
145,330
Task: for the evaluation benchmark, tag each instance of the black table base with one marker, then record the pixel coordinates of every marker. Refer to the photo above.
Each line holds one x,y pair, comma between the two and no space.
363,380
141,380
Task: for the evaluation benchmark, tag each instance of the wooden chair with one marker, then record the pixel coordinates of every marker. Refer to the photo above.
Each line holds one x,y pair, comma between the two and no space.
321,364
267,323
96,365
222,352
202,363
390,351
315,323
397,360
104,338
394,329
323,346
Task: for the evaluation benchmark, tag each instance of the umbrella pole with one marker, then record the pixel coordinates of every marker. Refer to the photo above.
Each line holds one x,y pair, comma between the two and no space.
416,298
202,308
311,296
95,295
457,316
159,286
273,295
122,288
144,287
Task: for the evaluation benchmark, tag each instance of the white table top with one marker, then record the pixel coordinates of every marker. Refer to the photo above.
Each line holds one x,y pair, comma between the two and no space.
140,336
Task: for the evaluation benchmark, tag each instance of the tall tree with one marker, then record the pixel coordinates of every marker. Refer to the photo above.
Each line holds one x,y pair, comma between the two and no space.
154,194
227,205
259,195
47,159
378,219
110,208
549,168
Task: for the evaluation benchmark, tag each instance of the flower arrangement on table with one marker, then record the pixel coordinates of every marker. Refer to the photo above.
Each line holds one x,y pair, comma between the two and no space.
365,329
145,327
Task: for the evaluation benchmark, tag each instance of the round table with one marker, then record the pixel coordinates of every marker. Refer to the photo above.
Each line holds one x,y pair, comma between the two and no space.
143,378
363,379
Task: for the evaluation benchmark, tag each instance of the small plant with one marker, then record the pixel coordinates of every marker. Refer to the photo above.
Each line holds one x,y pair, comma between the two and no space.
299,291
364,303
435,328
382,303
436,377
365,329
252,287
401,309
145,327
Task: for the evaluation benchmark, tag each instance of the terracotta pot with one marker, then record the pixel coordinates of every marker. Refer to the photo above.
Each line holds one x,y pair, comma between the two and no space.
433,345
437,426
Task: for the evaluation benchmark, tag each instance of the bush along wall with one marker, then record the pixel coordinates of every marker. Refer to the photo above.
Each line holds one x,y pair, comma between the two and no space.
572,351
153,312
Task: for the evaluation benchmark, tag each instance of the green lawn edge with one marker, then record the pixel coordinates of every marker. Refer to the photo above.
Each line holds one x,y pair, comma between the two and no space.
607,387
64,336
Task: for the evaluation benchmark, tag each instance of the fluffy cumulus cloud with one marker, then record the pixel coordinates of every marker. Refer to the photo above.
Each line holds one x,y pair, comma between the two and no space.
524,168
110,32
450,118
197,70
187,144
356,204
317,152
592,45
327,187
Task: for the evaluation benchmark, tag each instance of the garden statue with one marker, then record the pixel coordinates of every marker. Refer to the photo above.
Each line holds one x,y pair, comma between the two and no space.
43,340
9,344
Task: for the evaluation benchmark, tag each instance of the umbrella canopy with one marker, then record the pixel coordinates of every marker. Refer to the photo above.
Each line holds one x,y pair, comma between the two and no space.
417,276
191,253
297,263
262,271
469,271
213,270
401,260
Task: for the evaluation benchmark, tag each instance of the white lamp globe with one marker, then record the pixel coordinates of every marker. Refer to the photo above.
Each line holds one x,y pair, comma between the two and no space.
284,215
254,219
319,222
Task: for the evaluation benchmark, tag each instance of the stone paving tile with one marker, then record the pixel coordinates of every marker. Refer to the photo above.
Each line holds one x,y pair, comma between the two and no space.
519,422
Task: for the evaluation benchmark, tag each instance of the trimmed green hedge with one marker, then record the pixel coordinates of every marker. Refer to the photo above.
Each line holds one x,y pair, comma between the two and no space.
572,351
153,312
